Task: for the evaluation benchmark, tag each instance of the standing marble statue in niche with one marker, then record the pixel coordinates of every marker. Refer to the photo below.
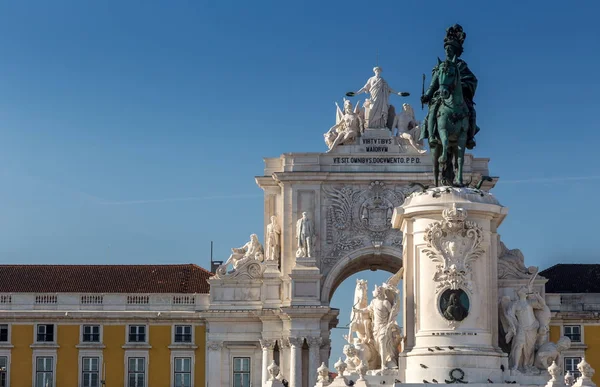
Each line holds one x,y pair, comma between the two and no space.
252,250
523,320
377,110
305,232
273,238
454,305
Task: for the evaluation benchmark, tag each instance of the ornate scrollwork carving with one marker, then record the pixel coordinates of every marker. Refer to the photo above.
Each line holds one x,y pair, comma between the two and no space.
453,244
248,269
214,345
360,216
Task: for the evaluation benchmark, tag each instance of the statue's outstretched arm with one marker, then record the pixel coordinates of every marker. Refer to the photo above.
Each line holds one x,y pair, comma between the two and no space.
365,88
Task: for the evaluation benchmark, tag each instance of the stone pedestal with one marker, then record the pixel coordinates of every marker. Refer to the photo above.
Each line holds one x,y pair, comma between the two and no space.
306,285
450,282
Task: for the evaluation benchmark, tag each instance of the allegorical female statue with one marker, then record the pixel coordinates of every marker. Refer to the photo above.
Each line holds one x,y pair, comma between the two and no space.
377,108
348,126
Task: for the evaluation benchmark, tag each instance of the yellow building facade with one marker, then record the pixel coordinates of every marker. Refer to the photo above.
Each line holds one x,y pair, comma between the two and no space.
573,296
151,337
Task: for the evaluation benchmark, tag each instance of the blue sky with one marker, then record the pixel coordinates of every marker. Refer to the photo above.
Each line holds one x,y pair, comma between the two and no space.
131,131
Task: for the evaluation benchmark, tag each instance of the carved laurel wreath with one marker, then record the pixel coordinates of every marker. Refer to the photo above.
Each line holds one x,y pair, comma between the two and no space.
453,244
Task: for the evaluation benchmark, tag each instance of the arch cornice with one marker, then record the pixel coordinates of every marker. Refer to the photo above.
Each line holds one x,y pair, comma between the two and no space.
386,258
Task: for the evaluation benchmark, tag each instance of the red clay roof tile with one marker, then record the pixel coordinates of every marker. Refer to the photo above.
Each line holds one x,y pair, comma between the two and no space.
185,278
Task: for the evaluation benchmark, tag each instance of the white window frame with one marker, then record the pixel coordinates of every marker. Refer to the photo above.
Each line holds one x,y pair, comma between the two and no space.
6,353
91,343
6,343
190,354
575,372
43,353
580,333
250,371
35,334
174,332
146,335
130,354
90,353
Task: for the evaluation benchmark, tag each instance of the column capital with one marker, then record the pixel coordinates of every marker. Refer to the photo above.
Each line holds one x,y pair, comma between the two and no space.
267,343
314,342
325,343
214,345
284,343
296,341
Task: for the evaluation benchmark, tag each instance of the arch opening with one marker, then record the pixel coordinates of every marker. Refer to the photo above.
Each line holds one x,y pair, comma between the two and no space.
341,285
385,258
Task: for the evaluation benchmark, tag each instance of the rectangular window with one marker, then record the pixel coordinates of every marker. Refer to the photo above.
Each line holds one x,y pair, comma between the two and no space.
137,333
241,372
91,372
3,370
571,365
91,333
135,372
45,333
183,372
44,370
573,332
183,333
3,333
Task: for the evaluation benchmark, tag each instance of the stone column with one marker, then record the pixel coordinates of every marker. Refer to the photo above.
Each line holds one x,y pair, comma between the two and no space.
296,361
267,357
314,345
284,357
214,362
324,351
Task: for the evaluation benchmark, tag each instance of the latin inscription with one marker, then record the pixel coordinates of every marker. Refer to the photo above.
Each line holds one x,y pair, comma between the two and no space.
376,144
377,160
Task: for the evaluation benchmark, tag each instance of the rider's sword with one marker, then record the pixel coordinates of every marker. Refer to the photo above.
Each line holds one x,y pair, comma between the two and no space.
422,92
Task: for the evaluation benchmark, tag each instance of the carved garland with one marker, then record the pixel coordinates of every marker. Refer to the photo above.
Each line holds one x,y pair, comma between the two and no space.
453,244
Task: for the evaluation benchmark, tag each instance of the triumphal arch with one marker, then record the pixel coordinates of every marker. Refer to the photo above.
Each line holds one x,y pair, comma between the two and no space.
377,199
327,215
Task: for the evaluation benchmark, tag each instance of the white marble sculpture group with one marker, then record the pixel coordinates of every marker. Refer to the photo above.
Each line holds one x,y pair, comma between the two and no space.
240,257
374,338
376,113
253,252
525,321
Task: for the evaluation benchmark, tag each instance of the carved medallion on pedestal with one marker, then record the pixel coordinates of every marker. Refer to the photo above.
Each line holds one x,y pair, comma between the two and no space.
453,244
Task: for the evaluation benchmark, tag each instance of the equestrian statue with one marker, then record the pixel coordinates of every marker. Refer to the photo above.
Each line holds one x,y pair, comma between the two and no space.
450,126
